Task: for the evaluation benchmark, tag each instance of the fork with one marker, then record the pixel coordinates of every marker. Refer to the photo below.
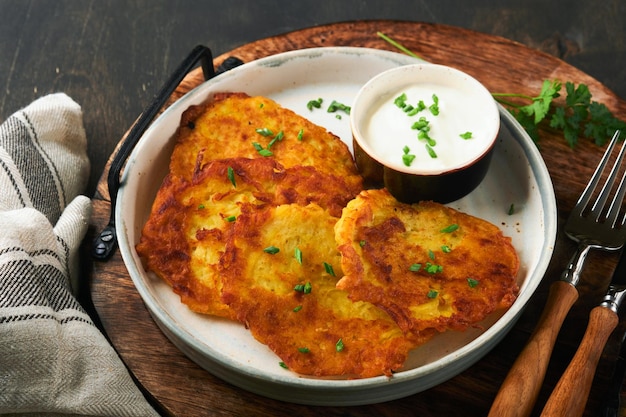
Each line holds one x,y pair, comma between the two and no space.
592,228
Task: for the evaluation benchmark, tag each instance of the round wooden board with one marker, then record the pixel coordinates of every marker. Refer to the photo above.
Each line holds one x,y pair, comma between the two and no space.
181,388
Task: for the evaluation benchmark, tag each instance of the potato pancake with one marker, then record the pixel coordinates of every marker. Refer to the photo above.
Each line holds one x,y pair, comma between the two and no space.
184,236
427,265
236,125
280,272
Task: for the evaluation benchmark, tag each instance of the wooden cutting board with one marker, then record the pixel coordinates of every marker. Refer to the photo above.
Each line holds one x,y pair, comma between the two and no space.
181,388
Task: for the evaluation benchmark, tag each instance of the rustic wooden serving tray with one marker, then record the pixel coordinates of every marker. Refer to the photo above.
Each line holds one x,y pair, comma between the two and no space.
181,388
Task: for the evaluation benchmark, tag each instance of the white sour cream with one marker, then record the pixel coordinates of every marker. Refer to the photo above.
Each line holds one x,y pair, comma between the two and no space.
388,130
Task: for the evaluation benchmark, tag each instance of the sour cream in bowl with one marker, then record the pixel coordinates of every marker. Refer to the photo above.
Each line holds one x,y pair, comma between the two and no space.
424,131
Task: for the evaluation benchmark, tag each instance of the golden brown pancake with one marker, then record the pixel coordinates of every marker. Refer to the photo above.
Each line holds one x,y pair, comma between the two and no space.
427,265
235,125
288,297
184,236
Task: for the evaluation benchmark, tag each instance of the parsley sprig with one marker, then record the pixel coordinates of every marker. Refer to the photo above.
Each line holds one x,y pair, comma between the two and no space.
576,116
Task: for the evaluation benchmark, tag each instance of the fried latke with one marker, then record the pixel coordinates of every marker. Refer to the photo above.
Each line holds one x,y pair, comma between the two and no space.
235,125
280,272
184,236
427,265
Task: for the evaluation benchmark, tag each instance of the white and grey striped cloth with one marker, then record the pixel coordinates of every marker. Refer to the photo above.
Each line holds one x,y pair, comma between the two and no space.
53,360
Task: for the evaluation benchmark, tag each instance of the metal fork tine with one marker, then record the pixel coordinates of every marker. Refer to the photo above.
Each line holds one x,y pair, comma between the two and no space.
616,203
581,204
608,185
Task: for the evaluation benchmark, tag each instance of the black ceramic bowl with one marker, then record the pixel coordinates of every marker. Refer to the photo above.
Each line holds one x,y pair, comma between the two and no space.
425,132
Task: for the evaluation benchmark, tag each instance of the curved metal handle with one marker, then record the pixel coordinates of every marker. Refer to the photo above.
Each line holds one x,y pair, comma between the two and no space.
572,272
106,241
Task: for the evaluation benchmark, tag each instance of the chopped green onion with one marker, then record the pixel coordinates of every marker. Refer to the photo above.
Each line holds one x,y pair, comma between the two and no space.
431,151
407,158
279,136
472,282
414,110
466,135
329,269
303,350
314,104
304,288
433,269
432,294
415,267
400,101
230,219
201,206
431,254
283,365
264,131
336,106
446,249
421,124
231,176
511,209
362,243
298,255
409,109
339,345
450,229
300,134
297,308
423,135
260,150
272,250
434,108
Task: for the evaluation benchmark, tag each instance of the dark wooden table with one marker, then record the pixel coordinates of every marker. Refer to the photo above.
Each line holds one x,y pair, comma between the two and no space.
113,56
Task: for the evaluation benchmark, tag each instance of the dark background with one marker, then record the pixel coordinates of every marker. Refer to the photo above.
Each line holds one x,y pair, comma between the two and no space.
112,56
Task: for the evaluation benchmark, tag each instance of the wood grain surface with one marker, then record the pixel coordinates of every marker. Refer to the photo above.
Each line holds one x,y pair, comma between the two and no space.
182,388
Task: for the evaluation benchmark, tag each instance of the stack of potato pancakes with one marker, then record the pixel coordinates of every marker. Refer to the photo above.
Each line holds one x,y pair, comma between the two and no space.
263,219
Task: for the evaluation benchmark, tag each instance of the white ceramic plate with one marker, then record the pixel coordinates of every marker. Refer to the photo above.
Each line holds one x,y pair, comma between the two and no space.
517,176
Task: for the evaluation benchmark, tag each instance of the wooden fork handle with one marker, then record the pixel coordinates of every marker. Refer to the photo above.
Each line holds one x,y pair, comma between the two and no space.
521,386
571,392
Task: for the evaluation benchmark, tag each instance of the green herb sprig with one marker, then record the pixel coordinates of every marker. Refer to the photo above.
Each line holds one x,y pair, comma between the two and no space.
577,116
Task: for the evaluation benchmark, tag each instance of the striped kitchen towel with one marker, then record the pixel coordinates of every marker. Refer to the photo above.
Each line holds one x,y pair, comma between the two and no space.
53,360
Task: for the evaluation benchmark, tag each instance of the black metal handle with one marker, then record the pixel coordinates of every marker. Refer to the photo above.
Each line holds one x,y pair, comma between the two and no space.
105,243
